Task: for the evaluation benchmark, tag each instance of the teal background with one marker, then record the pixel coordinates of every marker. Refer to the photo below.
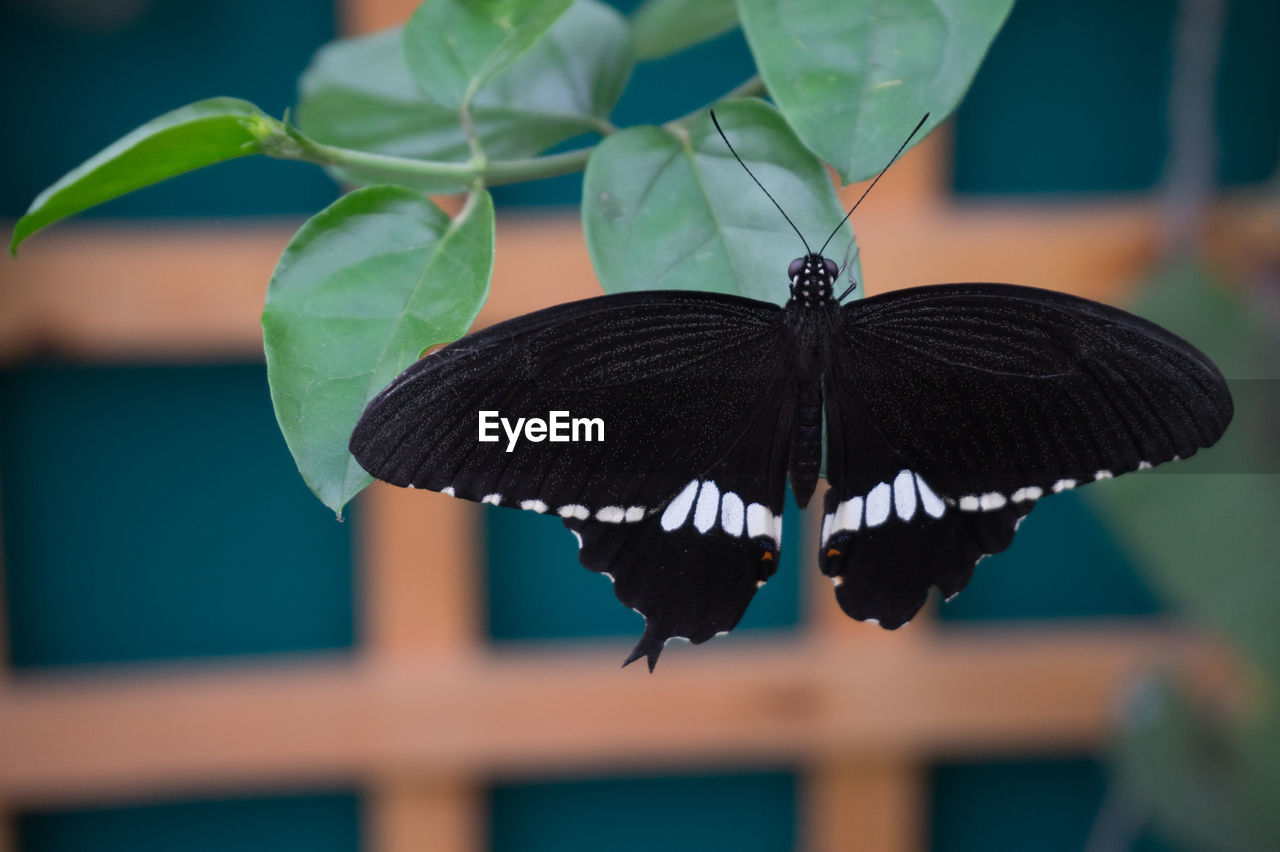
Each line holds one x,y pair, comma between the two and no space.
208,545
743,813
1072,98
317,822
154,513
1047,805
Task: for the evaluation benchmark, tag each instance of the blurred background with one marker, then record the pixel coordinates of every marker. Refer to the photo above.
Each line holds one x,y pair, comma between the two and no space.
197,655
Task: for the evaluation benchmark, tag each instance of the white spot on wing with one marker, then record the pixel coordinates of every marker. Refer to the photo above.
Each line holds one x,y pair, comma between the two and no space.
678,509
448,490
849,515
634,514
878,500
533,505
932,502
992,500
611,514
759,520
1144,465
1103,474
704,514
494,498
837,581
1063,485
1031,492
573,510
733,513
969,503
904,494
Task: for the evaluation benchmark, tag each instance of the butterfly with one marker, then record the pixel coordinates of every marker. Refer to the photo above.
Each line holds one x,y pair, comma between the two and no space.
948,411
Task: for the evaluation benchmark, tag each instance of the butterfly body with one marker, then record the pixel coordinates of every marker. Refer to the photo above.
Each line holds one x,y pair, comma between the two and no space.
948,410
810,318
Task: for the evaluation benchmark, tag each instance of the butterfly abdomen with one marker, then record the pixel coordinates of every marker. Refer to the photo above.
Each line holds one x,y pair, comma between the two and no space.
804,459
806,362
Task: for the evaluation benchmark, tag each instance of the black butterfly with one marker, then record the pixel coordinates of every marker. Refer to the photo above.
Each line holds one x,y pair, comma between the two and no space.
949,411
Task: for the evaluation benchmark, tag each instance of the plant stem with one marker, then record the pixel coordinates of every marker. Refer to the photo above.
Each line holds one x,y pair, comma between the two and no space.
293,145
533,168
461,173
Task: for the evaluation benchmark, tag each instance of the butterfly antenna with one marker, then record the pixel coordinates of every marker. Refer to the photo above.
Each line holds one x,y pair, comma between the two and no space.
716,122
892,159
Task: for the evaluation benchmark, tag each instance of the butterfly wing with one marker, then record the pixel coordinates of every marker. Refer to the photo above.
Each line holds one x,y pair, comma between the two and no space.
952,409
692,568
690,390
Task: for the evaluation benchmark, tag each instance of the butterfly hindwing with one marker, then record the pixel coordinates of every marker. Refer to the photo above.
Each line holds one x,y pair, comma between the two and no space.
887,535
951,410
693,565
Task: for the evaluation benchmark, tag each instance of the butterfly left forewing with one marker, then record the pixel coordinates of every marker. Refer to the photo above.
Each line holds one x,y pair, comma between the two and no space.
670,377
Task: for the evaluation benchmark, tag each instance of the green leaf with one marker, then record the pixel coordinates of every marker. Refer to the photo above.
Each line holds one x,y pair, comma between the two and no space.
358,93
362,289
454,47
1257,751
664,27
1206,539
1185,772
196,135
854,78
575,74
665,209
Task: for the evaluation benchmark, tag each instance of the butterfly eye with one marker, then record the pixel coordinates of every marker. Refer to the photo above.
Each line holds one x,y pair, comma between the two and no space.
830,266
794,269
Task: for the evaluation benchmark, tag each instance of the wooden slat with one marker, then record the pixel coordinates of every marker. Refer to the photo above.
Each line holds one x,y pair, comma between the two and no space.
542,712
139,291
418,564
851,801
364,16
873,804
409,813
148,291
920,179
417,560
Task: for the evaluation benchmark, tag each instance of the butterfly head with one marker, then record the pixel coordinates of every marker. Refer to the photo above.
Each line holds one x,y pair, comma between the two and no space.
812,277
